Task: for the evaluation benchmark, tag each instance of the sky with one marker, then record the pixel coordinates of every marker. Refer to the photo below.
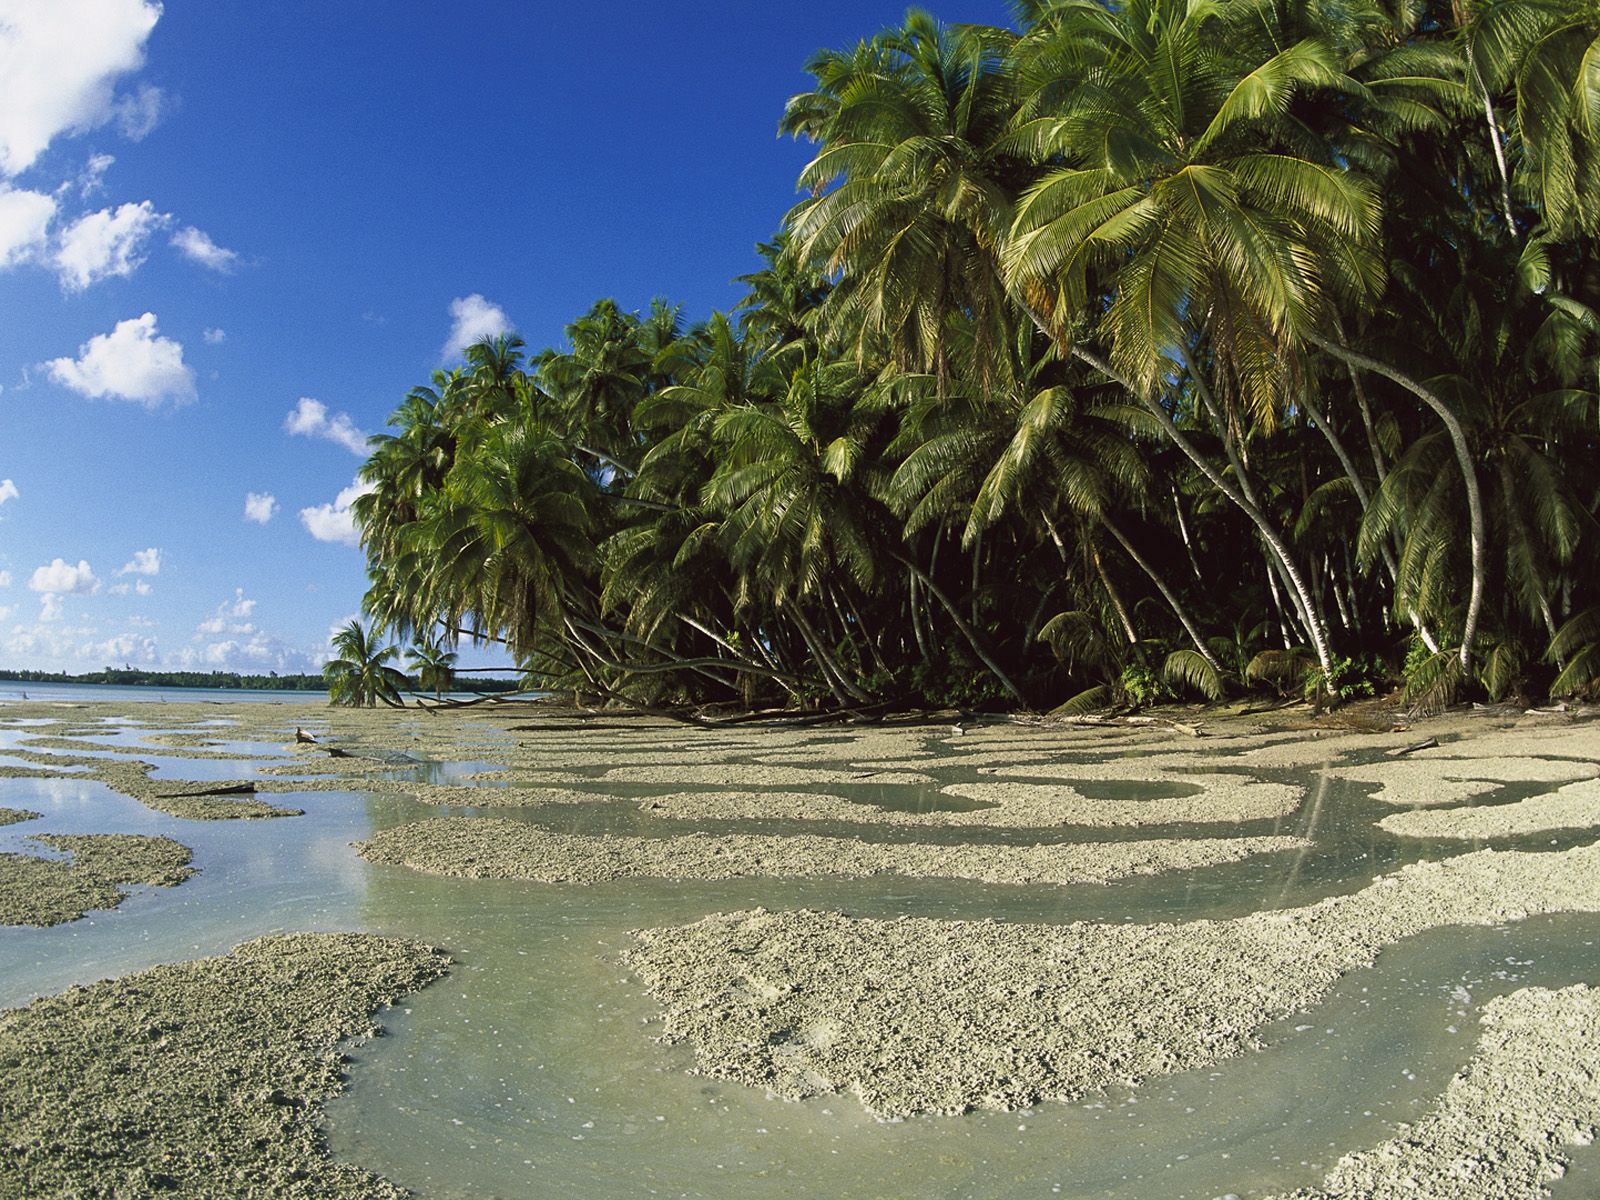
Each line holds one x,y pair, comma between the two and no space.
234,235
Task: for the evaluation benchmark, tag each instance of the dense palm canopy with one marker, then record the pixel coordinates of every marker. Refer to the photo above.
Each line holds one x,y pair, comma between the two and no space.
1150,347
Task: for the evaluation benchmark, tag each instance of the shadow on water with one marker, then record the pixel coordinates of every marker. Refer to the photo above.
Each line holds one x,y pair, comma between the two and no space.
533,1066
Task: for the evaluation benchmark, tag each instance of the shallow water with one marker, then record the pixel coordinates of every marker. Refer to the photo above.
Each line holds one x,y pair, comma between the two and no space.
532,1066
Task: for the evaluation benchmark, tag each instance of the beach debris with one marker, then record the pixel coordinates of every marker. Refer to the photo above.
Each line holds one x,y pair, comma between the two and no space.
221,789
1428,744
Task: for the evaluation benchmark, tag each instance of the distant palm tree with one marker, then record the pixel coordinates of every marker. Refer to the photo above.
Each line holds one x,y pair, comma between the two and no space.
359,677
434,665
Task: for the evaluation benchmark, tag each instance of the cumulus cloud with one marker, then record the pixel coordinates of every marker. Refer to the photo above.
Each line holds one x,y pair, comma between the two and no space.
309,418
138,587
61,577
336,522
8,490
214,337
196,245
231,616
24,224
474,319
104,244
144,562
50,607
129,363
59,64
260,507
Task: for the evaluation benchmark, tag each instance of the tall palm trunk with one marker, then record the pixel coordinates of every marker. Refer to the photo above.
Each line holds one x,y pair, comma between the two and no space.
1458,440
1269,534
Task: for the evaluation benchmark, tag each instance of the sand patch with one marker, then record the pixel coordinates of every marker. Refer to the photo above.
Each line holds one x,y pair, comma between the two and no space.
944,1016
1576,806
200,1078
493,848
1429,779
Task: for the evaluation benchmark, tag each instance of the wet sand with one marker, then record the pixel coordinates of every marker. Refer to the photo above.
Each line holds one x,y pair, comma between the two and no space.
198,1079
102,866
1508,1123
919,1015
493,848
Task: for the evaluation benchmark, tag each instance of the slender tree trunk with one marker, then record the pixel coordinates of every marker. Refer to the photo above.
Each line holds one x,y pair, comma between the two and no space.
837,679
966,630
1166,593
1458,439
1183,528
1116,600
1269,534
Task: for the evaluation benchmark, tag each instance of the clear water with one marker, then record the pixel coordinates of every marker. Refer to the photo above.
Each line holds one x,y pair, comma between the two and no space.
532,1067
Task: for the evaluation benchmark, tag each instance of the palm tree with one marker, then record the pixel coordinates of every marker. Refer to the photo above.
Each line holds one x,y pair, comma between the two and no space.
360,676
434,667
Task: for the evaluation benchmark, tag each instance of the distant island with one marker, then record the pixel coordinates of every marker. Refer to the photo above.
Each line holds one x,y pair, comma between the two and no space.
271,682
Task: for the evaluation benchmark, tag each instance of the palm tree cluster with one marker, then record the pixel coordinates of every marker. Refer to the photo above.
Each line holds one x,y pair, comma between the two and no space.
1149,346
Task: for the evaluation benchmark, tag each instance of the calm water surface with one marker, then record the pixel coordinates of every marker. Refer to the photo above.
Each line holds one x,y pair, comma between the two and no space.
532,1067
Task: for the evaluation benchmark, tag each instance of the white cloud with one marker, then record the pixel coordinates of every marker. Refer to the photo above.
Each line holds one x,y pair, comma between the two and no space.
335,522
50,607
229,616
62,577
474,319
5,578
144,562
137,588
105,244
310,419
214,337
8,490
260,507
59,63
24,224
196,244
129,363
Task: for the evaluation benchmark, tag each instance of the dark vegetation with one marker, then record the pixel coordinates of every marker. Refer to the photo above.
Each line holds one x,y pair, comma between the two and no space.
1152,348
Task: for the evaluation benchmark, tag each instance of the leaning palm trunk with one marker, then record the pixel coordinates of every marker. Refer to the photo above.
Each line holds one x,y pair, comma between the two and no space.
1269,534
1167,593
1458,440
966,630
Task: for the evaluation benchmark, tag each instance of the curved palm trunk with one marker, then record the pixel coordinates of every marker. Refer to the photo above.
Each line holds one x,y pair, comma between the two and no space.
1458,440
1269,534
1364,497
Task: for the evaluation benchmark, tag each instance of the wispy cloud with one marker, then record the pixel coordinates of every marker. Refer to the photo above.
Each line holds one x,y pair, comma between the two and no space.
197,246
336,522
309,418
260,507
105,244
8,491
144,562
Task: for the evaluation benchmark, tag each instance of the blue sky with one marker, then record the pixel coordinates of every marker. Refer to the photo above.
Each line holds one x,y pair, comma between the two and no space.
232,236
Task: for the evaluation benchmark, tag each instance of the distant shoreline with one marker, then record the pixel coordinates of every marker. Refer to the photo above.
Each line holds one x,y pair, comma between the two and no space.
224,681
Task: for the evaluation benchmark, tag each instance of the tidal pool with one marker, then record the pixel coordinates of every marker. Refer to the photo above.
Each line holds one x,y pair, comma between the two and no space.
532,1067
